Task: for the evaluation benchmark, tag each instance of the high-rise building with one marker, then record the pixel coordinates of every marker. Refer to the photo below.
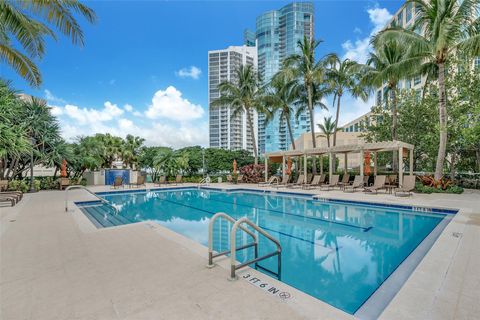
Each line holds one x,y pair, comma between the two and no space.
277,34
229,132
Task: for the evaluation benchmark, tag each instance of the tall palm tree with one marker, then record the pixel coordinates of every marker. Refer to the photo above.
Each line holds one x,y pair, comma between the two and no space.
243,95
387,65
28,23
327,128
445,27
280,98
310,73
342,76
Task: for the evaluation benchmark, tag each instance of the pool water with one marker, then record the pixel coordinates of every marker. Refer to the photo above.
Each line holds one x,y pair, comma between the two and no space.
337,252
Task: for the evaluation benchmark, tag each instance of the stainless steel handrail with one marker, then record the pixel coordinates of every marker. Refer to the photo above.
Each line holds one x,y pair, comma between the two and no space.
234,267
211,255
93,194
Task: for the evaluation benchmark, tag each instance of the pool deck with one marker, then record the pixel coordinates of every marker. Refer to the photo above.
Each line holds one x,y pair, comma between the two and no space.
56,265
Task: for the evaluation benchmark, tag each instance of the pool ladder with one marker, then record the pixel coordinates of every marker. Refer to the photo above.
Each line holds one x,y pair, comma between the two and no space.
238,224
93,194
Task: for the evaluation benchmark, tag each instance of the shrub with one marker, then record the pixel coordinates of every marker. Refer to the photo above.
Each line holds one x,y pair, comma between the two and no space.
253,173
420,188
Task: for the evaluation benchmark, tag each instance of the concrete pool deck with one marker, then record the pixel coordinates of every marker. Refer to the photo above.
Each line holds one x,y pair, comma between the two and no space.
56,265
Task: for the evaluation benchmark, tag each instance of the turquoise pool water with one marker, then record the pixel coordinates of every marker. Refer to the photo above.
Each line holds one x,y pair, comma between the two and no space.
337,252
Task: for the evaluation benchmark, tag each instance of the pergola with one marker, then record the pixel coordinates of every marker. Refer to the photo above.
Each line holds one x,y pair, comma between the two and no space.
374,147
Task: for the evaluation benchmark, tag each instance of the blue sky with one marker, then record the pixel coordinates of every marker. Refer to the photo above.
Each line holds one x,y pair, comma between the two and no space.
143,69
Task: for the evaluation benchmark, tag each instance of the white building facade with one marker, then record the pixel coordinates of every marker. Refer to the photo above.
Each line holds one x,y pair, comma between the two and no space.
225,131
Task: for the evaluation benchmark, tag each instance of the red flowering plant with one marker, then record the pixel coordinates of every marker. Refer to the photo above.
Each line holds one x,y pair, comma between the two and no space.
253,173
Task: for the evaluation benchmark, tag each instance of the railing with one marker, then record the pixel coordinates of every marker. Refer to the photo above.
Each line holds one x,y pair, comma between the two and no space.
234,267
93,194
212,255
204,182
238,224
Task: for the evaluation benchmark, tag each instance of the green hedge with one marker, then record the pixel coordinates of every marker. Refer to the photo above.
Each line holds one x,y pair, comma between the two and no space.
426,189
39,183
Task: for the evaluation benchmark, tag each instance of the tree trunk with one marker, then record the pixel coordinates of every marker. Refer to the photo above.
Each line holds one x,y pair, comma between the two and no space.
336,120
394,126
250,125
452,167
442,111
312,125
289,127
477,153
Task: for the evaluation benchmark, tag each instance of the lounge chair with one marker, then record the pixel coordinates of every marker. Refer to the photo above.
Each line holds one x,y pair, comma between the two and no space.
178,179
391,179
365,180
8,199
240,178
229,178
377,185
407,187
140,182
317,181
270,181
63,183
357,184
300,182
345,181
161,180
282,183
18,195
117,183
331,184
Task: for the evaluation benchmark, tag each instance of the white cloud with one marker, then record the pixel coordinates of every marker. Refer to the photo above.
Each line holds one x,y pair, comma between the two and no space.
170,104
192,72
169,124
360,48
90,115
52,98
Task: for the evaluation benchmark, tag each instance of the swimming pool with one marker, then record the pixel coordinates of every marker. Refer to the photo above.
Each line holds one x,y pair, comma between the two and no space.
339,252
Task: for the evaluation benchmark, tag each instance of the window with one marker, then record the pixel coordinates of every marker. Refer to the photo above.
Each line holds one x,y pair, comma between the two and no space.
477,63
408,12
417,80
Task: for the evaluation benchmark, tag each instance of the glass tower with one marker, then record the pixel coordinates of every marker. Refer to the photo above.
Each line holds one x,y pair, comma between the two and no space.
277,34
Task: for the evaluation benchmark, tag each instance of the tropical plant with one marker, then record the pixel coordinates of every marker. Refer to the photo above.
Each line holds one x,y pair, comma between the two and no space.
343,76
327,128
28,24
243,95
130,150
310,73
442,29
280,98
387,65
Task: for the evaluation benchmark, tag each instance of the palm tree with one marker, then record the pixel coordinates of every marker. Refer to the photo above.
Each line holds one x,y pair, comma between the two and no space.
283,93
342,76
27,23
131,149
243,95
327,128
445,28
304,67
387,65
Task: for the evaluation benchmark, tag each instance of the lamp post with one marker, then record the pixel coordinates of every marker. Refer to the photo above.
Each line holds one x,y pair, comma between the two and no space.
32,187
203,162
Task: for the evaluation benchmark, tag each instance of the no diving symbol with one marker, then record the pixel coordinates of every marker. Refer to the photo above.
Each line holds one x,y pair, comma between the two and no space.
284,295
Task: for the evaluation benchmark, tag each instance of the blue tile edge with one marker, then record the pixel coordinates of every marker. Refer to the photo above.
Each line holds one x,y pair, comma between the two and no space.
295,194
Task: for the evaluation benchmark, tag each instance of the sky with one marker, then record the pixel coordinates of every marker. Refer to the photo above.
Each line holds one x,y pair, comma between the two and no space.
143,69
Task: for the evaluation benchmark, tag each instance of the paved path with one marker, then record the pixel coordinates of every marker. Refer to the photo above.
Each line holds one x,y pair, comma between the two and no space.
55,267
